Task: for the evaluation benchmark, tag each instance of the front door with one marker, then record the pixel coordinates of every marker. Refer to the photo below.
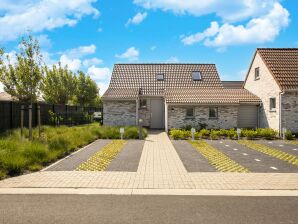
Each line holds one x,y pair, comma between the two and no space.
157,114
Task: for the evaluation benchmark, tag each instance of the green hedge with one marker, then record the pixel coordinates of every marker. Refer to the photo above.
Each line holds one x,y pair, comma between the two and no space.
180,134
17,154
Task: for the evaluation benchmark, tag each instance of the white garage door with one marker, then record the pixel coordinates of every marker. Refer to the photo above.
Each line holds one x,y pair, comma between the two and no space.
248,116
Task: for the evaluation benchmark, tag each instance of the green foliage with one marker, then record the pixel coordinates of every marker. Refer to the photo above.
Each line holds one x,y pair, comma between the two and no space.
249,134
54,118
87,92
289,135
204,133
17,154
178,134
22,80
214,134
58,85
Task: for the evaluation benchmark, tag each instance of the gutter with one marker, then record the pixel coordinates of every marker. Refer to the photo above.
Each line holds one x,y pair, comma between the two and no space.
280,113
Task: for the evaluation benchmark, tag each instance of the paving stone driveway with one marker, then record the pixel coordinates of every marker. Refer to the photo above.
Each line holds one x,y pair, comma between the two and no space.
160,168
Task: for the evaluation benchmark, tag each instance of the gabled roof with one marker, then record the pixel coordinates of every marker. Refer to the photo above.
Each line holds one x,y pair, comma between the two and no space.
283,65
211,96
143,76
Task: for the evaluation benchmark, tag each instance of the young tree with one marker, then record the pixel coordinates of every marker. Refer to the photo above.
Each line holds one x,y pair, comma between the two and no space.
87,93
22,79
59,85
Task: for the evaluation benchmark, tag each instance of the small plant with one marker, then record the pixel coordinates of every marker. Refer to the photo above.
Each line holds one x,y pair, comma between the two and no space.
177,134
204,133
214,134
266,133
289,135
249,134
55,118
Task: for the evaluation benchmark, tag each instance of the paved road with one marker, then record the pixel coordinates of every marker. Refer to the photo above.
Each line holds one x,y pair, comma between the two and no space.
23,209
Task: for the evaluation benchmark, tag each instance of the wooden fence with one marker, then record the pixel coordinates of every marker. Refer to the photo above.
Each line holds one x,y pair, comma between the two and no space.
10,114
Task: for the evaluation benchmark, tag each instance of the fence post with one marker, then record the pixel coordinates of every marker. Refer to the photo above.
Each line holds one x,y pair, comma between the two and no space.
66,115
30,122
38,120
22,120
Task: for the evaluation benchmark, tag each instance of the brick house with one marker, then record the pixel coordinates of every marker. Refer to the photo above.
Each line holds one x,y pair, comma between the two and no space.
169,96
273,77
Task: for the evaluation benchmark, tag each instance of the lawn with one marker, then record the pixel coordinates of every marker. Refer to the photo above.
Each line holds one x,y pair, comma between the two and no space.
19,155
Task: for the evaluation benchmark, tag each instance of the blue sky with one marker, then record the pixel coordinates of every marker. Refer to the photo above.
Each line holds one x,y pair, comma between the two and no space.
92,35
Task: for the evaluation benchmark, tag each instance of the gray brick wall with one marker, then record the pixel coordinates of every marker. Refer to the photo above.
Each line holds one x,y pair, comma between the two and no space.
119,113
145,114
227,117
289,105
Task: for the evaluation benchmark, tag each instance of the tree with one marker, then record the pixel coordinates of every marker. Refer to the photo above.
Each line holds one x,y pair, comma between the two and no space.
58,85
22,79
87,93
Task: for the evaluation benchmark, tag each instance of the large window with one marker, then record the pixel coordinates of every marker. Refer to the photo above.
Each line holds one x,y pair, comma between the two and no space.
190,112
160,77
196,76
143,103
272,104
213,112
257,73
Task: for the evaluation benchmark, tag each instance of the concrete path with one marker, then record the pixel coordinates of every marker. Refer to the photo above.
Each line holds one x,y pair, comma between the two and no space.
160,168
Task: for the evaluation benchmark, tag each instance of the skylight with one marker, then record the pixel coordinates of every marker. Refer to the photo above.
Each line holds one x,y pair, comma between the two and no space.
160,77
196,76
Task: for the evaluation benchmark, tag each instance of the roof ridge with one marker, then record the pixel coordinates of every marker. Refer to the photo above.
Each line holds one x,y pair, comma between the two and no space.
164,64
278,48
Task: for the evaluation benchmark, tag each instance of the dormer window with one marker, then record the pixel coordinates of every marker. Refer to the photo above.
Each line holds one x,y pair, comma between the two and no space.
196,76
160,77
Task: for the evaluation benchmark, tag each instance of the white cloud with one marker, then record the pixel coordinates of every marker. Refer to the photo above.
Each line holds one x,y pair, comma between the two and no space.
173,60
92,61
99,74
137,19
37,16
103,86
132,54
228,10
81,51
211,31
258,30
153,48
100,30
73,64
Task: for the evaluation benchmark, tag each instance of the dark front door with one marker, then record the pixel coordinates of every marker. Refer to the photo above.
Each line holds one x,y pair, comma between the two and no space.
157,114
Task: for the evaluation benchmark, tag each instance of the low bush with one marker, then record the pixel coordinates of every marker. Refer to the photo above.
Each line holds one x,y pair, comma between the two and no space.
266,133
17,154
289,135
249,134
204,133
214,134
178,134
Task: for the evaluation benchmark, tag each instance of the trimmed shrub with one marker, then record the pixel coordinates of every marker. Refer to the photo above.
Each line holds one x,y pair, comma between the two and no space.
266,133
249,134
214,134
204,133
177,134
289,135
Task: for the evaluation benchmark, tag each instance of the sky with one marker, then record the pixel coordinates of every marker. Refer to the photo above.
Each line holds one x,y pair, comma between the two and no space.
93,35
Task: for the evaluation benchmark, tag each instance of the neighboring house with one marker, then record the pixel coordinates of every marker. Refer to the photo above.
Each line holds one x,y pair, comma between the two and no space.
273,76
169,96
232,84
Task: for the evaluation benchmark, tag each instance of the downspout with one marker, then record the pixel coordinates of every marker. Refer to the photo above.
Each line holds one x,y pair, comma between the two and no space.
166,116
280,113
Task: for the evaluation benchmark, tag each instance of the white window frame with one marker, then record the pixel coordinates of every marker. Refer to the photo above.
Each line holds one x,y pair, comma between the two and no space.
271,108
257,71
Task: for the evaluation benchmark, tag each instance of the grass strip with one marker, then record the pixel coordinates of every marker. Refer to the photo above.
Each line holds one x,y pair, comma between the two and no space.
292,159
100,160
217,159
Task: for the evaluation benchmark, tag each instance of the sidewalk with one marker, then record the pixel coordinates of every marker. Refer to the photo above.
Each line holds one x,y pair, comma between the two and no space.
160,168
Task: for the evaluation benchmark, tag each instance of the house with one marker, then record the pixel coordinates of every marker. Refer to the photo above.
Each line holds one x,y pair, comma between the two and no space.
273,77
4,96
169,96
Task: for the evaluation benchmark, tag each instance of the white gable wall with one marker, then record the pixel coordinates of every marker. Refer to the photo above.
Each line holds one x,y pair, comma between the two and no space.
265,88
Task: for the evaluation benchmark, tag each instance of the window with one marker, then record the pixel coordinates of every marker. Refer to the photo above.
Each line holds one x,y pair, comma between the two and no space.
272,104
190,112
196,76
160,77
213,112
143,103
257,73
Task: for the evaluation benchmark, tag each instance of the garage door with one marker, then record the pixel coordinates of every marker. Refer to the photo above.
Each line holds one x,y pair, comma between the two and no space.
248,116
